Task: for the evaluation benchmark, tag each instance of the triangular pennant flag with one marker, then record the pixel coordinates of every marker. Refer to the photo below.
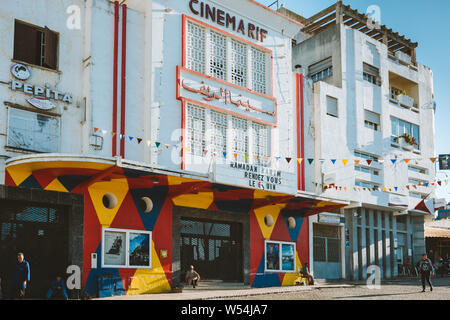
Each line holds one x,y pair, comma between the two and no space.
381,161
131,138
246,157
121,136
310,161
157,144
407,160
185,148
235,155
394,161
288,160
426,184
357,162
333,160
104,132
224,154
148,143
396,188
95,130
407,187
345,161
139,140
205,152
167,146
113,134
415,186
369,162
322,161
439,182
384,189
433,160
256,158
300,160
354,189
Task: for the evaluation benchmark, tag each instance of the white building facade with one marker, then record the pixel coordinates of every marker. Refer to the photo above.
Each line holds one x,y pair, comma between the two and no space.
365,91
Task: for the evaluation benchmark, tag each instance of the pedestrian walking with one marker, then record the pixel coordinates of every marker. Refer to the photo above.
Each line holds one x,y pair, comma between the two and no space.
21,276
425,267
192,277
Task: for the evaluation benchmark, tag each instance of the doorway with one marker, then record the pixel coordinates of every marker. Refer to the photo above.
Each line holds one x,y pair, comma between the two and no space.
41,233
214,248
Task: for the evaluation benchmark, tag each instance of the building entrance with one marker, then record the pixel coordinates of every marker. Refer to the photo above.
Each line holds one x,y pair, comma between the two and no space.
41,233
214,248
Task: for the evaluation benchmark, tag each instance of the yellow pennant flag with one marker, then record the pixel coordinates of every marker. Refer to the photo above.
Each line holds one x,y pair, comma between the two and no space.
345,161
300,160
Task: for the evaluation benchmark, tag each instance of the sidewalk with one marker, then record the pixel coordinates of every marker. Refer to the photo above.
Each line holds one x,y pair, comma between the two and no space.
194,294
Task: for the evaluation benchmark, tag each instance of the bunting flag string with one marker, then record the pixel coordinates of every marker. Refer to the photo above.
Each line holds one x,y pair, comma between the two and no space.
268,159
408,187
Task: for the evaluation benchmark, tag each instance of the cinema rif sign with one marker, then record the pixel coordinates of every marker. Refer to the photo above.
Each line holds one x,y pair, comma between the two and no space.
214,94
227,20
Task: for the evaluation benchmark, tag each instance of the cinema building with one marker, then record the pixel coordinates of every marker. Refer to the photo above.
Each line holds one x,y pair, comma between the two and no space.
152,136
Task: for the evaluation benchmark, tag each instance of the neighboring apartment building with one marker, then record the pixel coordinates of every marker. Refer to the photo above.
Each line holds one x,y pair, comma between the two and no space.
176,121
364,90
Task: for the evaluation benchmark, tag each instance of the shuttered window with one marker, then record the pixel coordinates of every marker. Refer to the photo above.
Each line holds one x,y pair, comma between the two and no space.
321,70
35,45
371,120
332,106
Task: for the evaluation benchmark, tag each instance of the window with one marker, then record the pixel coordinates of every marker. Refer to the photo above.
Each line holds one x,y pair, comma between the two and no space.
126,248
416,181
280,256
240,139
208,126
326,243
371,120
371,74
321,70
260,142
367,170
219,125
259,71
418,170
220,56
195,48
238,63
366,156
35,45
417,195
332,106
364,184
196,129
33,131
400,127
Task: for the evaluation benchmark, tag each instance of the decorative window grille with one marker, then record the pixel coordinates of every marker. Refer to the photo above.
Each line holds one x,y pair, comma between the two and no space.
260,142
240,139
218,56
195,48
259,71
238,63
219,125
196,129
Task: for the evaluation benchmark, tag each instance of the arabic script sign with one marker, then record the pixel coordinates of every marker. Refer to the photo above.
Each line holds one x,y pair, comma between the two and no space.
230,99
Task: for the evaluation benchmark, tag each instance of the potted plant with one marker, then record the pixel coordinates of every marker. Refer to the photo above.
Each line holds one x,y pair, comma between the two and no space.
405,100
407,141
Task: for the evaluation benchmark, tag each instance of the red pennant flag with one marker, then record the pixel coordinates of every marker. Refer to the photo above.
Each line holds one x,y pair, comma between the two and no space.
439,182
288,160
369,162
139,140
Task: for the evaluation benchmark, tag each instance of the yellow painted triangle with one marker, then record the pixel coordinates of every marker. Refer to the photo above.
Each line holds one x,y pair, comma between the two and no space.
260,213
345,161
201,200
289,278
119,188
55,185
150,280
19,173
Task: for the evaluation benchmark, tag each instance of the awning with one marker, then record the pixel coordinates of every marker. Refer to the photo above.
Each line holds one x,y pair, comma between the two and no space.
74,173
437,233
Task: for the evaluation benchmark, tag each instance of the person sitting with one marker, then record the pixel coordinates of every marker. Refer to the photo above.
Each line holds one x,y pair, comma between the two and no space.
57,290
192,277
305,273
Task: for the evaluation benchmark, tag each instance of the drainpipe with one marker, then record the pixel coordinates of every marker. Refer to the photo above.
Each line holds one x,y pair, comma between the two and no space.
123,79
115,72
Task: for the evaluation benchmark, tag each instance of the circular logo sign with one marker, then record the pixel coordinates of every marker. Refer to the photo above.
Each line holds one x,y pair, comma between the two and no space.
20,71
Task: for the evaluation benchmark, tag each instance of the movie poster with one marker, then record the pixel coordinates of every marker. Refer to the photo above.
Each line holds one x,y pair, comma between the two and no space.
139,249
115,247
272,256
288,257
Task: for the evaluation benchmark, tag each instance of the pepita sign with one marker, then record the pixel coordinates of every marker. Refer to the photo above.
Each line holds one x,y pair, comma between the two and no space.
42,95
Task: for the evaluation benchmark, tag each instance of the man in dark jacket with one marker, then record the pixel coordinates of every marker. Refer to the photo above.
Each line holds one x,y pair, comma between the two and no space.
21,276
425,268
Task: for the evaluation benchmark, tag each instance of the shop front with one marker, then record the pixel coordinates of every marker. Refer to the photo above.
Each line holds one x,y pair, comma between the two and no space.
144,227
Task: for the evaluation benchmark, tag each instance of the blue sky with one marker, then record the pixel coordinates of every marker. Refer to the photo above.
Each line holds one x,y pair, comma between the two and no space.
425,22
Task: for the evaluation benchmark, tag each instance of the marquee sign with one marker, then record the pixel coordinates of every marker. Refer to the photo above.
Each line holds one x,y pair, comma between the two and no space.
256,177
215,94
227,20
42,95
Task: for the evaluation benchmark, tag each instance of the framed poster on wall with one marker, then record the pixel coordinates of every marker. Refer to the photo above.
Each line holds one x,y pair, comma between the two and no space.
280,256
114,243
124,248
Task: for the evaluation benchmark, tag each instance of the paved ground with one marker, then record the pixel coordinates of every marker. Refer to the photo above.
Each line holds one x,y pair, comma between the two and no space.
409,290
394,290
